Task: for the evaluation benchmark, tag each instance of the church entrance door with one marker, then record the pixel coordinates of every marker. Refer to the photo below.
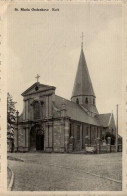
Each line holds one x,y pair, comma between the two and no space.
36,138
39,140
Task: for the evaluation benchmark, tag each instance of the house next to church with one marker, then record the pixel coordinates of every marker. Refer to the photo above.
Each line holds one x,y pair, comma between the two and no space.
51,123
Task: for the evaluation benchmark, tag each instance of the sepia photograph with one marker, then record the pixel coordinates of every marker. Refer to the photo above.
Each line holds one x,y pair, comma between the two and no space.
64,97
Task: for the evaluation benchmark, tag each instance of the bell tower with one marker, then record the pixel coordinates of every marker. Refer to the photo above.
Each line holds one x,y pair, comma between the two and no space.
83,93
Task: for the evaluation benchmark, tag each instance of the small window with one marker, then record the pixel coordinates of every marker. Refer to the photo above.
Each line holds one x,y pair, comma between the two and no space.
77,101
93,101
86,101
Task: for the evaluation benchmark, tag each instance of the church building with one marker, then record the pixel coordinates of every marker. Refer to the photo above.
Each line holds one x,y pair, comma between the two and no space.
50,123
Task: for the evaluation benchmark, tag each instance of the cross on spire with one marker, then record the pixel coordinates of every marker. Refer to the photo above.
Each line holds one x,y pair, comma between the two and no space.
37,77
82,40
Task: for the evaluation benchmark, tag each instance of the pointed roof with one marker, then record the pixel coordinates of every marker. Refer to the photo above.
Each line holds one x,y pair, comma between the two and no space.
107,120
82,84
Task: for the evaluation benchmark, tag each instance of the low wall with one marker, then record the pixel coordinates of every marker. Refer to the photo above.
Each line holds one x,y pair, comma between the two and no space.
70,148
78,146
105,149
58,149
22,149
109,148
113,148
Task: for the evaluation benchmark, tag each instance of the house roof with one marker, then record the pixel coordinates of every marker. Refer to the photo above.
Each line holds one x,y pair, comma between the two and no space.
82,84
76,112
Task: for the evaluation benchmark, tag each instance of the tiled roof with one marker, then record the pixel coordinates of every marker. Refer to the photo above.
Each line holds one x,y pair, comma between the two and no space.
76,112
91,108
82,84
105,119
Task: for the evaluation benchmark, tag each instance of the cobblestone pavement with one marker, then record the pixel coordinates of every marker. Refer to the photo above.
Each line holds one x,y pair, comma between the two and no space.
66,172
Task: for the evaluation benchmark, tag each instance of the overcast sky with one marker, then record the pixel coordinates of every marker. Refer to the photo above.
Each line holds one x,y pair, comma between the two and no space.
49,44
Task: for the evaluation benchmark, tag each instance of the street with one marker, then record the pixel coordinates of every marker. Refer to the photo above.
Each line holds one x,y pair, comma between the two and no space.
66,172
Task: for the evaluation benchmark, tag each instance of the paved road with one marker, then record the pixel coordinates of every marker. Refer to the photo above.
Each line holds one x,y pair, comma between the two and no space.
65,172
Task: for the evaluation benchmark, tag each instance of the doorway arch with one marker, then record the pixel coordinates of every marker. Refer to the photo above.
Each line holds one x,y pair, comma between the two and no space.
37,138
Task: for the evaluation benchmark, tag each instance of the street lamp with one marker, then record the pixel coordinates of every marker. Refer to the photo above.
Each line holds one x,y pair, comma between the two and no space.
17,115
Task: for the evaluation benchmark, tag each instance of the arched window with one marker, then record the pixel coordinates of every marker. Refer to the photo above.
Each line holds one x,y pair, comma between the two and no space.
86,100
93,101
77,101
36,107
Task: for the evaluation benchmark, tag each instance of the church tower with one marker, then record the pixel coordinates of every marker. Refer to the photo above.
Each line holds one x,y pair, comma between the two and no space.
83,93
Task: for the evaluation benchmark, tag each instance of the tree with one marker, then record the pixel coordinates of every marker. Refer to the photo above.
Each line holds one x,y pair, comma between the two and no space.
11,118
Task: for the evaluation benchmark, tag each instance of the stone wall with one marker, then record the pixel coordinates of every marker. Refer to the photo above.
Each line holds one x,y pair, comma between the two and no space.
57,135
105,149
21,141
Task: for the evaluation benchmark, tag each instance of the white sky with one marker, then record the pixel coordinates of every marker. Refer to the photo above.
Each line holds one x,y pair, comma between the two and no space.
48,43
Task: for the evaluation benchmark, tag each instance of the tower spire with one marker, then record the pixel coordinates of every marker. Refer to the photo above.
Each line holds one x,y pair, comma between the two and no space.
82,85
82,36
83,93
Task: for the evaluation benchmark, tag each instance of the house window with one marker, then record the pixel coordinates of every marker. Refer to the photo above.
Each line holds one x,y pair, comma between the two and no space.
86,100
36,110
78,132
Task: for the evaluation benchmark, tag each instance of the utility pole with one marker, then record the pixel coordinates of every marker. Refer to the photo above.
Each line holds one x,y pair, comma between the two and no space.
116,127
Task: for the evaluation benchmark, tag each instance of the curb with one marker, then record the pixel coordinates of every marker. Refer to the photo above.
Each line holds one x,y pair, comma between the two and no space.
11,181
